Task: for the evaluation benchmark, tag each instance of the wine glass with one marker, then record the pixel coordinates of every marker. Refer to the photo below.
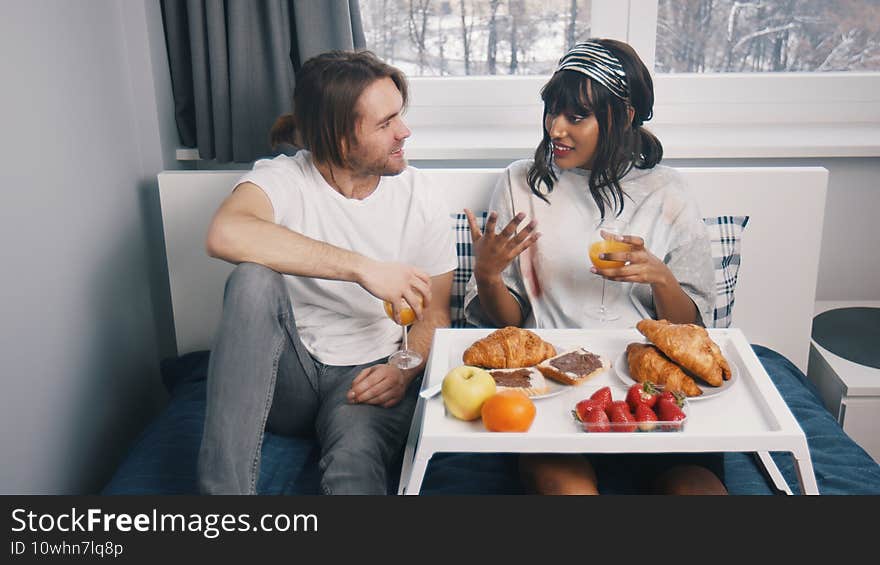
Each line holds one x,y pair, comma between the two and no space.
598,245
405,358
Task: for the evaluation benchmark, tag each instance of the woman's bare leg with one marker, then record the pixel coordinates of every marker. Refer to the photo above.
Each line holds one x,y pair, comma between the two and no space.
689,479
557,474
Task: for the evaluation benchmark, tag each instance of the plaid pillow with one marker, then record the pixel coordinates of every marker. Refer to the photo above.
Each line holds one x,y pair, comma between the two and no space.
463,248
725,234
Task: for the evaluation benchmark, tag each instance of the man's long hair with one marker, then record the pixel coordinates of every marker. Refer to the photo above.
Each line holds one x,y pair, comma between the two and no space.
325,103
621,145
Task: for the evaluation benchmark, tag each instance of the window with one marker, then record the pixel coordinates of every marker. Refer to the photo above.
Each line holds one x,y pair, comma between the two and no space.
474,37
706,54
709,36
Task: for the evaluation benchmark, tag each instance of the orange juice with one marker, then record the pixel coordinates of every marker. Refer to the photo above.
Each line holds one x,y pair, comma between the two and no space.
407,316
607,246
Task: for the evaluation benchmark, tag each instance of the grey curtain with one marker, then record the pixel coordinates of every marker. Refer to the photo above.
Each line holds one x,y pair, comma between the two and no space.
233,65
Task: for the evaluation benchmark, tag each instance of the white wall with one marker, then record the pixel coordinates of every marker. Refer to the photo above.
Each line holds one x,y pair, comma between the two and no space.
156,134
80,145
849,260
849,267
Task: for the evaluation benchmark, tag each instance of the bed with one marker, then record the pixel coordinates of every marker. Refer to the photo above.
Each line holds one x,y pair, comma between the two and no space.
769,298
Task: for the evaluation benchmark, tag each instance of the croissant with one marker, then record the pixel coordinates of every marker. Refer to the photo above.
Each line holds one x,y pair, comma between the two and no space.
688,345
719,358
647,363
508,348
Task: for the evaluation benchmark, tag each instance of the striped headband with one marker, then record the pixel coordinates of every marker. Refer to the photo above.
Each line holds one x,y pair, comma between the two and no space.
598,63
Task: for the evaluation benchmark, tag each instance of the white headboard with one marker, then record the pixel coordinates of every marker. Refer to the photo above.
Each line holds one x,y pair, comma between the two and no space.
775,293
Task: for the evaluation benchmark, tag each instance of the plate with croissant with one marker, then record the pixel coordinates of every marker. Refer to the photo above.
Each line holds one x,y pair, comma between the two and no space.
677,357
520,360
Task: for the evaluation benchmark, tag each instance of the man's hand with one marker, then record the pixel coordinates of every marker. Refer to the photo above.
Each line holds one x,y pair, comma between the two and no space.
382,385
493,252
394,282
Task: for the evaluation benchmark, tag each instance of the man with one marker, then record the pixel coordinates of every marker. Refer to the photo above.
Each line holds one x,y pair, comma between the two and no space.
321,239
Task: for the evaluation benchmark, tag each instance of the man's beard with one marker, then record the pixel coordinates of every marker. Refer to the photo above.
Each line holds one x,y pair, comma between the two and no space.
379,167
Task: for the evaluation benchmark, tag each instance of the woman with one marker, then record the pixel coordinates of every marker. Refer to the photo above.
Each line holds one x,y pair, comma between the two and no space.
595,161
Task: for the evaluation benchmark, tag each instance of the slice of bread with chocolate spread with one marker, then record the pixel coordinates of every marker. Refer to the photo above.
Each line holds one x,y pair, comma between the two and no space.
527,380
574,367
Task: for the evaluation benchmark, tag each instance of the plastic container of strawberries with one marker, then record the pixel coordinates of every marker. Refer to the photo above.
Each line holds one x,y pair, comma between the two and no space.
618,393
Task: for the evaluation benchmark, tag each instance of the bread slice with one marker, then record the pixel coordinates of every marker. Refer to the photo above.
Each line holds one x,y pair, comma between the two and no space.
574,367
527,380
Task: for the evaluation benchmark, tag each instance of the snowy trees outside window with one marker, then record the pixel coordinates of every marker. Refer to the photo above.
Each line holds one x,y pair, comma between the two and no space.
527,37
717,36
474,37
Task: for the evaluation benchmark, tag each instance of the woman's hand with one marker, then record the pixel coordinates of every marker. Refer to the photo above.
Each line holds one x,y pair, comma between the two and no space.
493,252
641,266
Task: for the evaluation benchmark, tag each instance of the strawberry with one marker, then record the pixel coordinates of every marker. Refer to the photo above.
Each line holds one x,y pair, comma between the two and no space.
646,418
603,397
616,405
597,421
670,411
619,414
584,407
641,393
676,397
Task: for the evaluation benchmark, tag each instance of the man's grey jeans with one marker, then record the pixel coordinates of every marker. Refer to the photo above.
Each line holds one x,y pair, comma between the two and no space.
261,377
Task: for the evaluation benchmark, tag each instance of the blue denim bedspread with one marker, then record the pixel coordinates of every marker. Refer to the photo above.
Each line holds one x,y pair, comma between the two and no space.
163,459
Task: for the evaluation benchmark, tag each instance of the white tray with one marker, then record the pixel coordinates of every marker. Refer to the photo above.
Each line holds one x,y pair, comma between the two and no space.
750,417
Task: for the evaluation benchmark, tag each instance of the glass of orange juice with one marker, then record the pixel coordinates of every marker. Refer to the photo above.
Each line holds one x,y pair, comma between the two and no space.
405,358
599,244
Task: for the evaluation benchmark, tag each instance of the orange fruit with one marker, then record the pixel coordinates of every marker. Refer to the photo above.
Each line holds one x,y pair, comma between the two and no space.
508,411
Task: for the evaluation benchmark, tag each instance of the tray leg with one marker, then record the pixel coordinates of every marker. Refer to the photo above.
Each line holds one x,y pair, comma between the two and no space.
419,465
412,442
405,469
803,466
774,472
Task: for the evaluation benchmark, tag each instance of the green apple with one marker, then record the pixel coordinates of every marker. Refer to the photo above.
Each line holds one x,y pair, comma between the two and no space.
465,389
